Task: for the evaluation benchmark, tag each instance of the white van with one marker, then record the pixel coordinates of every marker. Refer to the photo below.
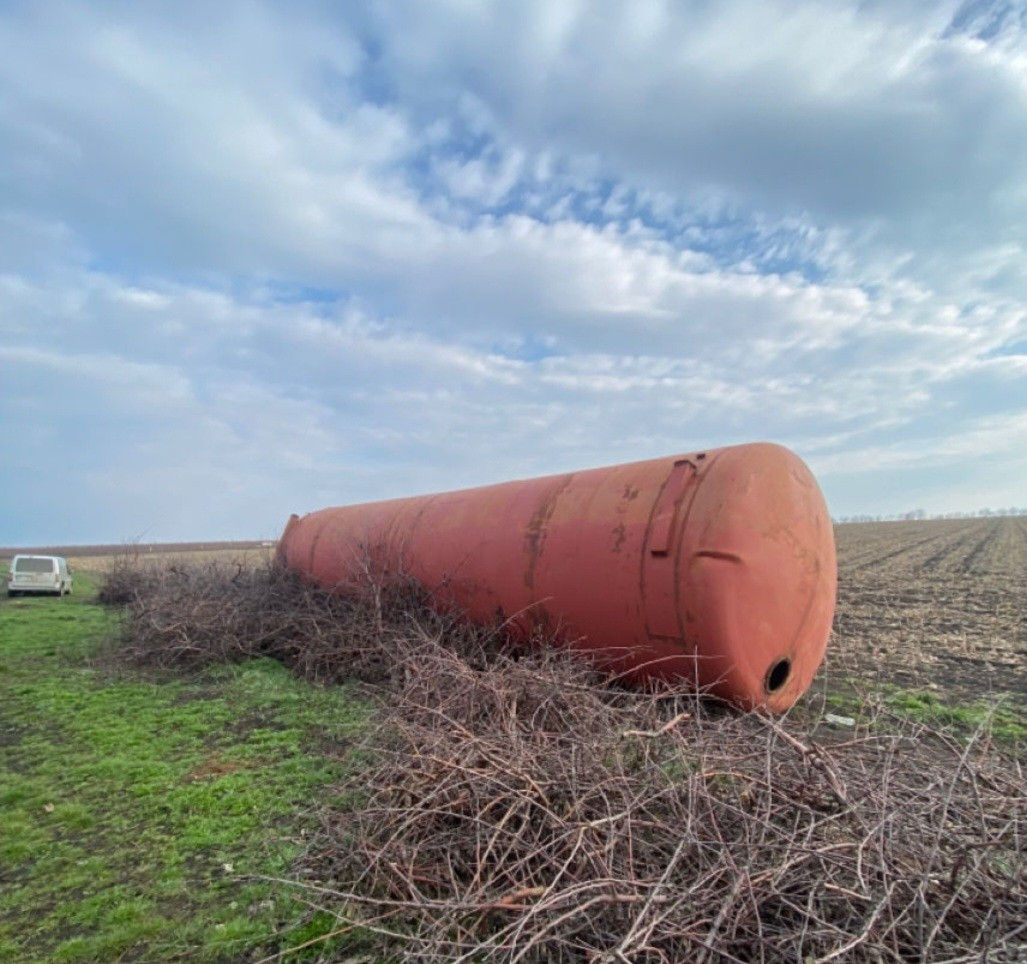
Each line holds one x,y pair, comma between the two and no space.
38,574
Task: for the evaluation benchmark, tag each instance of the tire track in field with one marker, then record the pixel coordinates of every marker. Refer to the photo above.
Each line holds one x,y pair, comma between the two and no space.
1007,553
939,561
901,551
969,561
856,544
863,543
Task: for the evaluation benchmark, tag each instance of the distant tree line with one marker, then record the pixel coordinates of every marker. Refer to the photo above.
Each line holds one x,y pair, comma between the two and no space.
921,514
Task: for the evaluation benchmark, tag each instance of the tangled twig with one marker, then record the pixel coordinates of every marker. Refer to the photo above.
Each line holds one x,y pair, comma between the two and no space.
520,808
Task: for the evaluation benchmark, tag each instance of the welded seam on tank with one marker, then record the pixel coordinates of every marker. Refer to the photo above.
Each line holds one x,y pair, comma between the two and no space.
315,539
701,471
426,504
681,511
450,576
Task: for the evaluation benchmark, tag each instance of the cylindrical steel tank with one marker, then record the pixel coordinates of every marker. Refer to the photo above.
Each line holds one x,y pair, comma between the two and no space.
714,566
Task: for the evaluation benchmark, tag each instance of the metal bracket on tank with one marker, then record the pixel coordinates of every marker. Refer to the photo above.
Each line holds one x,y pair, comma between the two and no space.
659,560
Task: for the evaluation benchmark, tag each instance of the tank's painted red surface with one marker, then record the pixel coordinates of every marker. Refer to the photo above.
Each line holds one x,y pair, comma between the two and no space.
715,566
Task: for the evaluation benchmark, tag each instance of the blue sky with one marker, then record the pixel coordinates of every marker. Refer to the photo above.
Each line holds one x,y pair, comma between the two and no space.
258,258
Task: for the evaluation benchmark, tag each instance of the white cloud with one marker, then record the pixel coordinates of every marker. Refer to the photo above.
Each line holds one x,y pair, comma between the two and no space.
136,385
878,117
978,439
285,259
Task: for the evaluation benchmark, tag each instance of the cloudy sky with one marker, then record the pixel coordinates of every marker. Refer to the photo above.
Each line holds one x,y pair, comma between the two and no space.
258,258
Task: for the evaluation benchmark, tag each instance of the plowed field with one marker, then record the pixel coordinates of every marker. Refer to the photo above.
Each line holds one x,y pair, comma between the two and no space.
938,605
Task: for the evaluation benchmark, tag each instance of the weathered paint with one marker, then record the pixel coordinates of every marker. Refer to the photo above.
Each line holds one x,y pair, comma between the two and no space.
714,566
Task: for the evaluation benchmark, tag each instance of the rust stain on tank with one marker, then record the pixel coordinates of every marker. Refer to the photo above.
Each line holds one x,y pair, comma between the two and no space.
620,534
535,533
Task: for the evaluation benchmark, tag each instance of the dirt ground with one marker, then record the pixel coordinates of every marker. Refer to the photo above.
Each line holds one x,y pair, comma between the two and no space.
97,559
245,553
939,605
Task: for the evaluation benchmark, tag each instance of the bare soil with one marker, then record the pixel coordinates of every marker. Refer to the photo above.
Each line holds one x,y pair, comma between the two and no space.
98,558
939,605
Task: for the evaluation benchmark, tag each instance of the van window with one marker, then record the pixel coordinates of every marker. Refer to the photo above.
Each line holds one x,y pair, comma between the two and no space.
29,564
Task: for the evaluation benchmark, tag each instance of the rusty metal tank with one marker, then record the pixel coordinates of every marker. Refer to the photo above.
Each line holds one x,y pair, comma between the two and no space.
717,567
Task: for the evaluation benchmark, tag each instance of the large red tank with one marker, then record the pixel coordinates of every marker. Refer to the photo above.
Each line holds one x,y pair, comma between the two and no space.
714,566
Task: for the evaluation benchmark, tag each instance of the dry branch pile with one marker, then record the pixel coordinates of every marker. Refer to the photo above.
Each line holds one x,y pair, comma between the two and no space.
519,810
518,814
126,581
187,615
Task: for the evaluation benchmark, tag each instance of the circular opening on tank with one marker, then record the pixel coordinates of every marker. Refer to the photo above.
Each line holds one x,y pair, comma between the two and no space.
777,675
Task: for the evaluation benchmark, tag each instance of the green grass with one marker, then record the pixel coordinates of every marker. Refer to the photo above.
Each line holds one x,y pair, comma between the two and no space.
1000,718
1003,717
138,816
